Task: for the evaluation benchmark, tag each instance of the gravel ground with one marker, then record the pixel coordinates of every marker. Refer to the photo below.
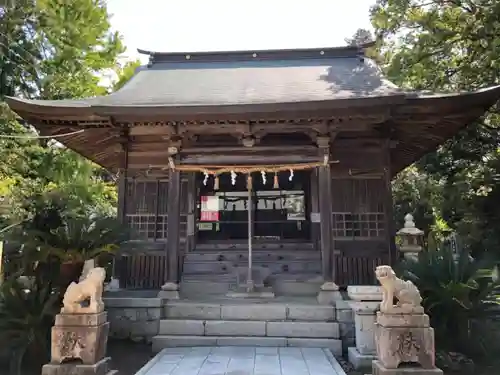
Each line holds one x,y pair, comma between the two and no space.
480,370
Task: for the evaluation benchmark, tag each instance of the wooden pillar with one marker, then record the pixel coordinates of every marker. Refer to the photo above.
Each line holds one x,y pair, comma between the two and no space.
389,215
118,262
314,217
325,206
191,212
173,226
122,182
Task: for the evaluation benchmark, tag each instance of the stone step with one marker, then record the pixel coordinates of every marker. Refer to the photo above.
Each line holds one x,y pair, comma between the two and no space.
167,341
286,276
278,245
254,328
282,284
206,287
229,310
204,256
274,266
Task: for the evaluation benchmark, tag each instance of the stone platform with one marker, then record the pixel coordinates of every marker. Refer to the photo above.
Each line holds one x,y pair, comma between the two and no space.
242,361
276,322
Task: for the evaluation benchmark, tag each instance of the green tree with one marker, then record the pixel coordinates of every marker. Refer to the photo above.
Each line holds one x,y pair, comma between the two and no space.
360,37
125,73
52,49
451,46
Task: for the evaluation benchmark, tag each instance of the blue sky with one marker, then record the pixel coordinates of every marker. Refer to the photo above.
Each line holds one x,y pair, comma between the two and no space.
215,25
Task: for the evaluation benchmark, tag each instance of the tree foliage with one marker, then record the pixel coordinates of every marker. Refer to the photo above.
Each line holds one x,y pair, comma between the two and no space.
125,73
448,45
460,294
52,49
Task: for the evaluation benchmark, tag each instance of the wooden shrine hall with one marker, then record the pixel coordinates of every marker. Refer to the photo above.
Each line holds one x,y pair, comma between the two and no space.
284,157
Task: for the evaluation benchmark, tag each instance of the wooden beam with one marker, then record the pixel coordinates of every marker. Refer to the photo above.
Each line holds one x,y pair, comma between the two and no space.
228,128
233,151
247,150
249,159
163,130
260,129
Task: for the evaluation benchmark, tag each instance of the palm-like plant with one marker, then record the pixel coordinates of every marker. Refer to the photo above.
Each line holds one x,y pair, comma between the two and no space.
460,295
75,240
79,238
26,316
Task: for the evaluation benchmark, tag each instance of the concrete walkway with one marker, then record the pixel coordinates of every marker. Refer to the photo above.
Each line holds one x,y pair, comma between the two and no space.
239,360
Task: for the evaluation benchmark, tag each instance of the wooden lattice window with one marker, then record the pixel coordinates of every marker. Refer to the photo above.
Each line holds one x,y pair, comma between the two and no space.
358,208
146,208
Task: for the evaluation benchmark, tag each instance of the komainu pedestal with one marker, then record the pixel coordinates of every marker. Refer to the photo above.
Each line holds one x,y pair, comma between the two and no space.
405,344
79,344
403,337
80,333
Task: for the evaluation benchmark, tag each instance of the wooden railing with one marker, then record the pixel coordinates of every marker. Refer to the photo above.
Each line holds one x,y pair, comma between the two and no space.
142,270
356,270
355,261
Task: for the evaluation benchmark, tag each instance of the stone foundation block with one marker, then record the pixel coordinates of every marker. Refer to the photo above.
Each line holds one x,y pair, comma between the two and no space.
168,294
359,360
344,312
100,368
379,369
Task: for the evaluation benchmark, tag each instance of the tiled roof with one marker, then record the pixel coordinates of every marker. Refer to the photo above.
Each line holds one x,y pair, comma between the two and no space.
240,78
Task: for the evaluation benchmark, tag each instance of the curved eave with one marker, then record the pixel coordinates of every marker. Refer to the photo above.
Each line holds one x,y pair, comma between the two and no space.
425,122
421,122
57,110
91,112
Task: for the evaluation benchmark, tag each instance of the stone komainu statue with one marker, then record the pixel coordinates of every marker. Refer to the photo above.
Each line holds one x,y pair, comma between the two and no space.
89,289
406,292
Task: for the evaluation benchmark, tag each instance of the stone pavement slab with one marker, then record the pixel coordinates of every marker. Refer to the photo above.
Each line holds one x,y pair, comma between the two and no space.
241,360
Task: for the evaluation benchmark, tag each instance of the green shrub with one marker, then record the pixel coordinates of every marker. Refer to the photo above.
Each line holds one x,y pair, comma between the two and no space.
27,311
460,294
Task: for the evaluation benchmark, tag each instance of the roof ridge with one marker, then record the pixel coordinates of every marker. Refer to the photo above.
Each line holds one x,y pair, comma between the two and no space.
249,55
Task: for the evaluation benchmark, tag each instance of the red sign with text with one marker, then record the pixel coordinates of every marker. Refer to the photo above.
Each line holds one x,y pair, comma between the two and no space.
209,208
209,216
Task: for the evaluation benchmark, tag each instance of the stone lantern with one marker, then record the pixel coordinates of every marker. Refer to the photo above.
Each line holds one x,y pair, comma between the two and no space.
411,238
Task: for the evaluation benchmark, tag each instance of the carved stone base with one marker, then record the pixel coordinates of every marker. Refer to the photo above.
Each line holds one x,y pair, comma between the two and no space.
359,360
260,276
79,337
100,368
168,294
404,338
379,369
169,290
329,293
